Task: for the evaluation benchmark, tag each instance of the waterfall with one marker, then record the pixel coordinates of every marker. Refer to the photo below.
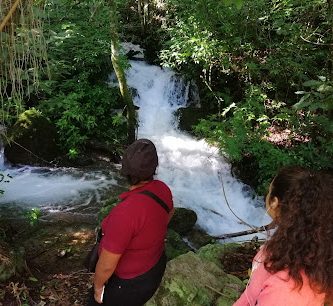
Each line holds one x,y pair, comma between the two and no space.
194,170
199,177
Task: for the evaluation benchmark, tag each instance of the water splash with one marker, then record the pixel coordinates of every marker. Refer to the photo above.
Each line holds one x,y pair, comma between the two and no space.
55,189
194,170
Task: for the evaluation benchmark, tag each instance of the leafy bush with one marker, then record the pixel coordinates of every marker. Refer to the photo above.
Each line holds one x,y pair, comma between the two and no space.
254,60
244,136
78,98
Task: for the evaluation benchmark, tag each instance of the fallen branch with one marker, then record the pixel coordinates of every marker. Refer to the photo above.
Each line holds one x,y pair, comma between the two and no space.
247,232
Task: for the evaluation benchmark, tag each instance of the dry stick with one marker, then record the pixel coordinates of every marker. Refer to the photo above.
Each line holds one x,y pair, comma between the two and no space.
248,232
227,202
220,176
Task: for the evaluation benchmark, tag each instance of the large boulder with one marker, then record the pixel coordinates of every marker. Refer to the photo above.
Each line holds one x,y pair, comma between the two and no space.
32,140
197,280
183,220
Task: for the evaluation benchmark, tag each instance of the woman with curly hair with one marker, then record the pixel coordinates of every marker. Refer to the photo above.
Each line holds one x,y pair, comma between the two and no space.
295,266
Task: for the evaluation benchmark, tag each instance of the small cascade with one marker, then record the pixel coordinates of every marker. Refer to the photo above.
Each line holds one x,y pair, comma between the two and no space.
199,177
177,91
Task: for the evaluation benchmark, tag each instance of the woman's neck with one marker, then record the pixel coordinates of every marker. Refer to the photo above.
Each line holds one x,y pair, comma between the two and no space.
138,185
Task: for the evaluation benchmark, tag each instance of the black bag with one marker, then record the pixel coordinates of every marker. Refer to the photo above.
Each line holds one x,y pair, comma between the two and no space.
92,257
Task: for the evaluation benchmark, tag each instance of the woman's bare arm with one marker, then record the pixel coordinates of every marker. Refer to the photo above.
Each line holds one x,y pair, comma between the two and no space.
105,267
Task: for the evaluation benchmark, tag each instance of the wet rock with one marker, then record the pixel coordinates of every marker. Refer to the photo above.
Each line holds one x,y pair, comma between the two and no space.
183,220
103,148
198,238
190,116
191,280
246,170
32,140
175,245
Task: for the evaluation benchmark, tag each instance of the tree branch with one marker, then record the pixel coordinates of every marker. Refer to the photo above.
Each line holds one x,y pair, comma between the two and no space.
314,43
9,15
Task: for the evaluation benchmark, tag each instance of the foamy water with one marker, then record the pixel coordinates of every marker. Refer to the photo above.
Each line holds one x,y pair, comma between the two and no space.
55,189
194,170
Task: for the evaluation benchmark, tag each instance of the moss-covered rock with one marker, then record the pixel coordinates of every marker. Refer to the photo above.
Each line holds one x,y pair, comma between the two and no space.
32,140
183,220
191,280
214,252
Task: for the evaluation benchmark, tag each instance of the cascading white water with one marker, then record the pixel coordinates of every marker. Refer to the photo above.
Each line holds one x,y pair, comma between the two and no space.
194,170
55,189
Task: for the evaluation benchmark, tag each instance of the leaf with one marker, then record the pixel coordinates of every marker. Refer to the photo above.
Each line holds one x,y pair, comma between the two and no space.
301,102
325,88
33,279
312,83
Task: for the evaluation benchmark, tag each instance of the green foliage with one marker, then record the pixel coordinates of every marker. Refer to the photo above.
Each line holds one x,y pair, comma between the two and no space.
252,59
245,134
259,40
107,207
77,98
318,95
33,216
22,59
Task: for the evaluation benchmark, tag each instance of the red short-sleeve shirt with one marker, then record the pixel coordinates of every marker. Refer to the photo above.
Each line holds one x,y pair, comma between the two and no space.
136,228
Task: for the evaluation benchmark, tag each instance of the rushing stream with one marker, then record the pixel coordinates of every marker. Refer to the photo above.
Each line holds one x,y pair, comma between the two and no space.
198,176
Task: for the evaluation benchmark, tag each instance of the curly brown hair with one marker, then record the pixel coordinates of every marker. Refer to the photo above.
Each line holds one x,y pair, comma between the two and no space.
303,240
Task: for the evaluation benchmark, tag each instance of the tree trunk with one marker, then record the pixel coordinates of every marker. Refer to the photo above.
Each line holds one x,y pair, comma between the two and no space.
141,18
330,20
145,12
120,73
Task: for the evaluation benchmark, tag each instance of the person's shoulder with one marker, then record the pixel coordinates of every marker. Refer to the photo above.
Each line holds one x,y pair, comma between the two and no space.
283,282
160,185
128,201
282,278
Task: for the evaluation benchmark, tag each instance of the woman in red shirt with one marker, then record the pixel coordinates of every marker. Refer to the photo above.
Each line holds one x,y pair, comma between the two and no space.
295,266
132,259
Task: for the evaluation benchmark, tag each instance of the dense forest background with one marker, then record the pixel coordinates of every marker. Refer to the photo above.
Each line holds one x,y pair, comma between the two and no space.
263,69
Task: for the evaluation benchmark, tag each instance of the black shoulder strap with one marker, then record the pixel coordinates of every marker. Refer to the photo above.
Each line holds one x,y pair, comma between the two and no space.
157,199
